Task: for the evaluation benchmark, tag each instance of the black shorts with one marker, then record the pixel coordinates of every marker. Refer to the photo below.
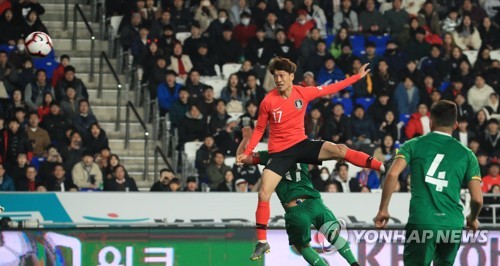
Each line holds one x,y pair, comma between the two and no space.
306,151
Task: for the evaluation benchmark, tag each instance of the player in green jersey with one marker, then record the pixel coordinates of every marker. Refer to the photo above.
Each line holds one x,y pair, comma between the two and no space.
303,207
440,166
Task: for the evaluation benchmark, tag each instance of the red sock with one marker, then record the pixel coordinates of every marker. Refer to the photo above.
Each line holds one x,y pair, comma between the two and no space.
261,218
362,159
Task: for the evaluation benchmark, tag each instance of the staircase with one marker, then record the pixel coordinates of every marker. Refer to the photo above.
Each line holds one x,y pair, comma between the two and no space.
105,108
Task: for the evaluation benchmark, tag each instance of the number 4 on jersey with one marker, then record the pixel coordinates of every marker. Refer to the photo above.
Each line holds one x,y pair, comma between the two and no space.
440,182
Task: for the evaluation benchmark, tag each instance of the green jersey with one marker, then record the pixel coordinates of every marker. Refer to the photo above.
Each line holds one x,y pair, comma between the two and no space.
440,166
295,184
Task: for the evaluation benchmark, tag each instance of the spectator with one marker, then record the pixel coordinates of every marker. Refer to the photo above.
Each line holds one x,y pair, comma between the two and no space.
299,29
9,27
332,187
238,10
18,171
35,91
150,13
249,118
227,49
457,57
216,170
396,18
191,184
203,61
456,87
70,105
204,156
362,88
272,25
158,26
371,20
14,104
413,7
489,33
380,107
408,32
320,181
478,95
462,133
20,116
426,90
28,182
492,75
139,46
86,174
467,36
207,103
465,73
316,12
244,31
58,181
419,123
21,8
168,92
395,58
192,127
308,80
346,58
287,15
181,63
492,179
260,49
389,126
192,43
205,14
448,46
417,46
346,183
4,6
228,139
156,75
228,185
181,16
233,90
130,32
370,56
479,124
329,73
19,56
346,18
72,153
219,25
363,129
338,129
33,23
113,161
55,124
167,41
429,18
309,44
285,47
174,185
15,142
6,182
241,185
254,92
26,74
179,108
166,176
483,61
38,137
8,73
406,97
70,80
47,167
194,86
314,124
249,173
463,108
44,108
97,139
368,178
451,22
217,120
85,119
121,182
383,80
494,106
385,150
475,12
491,143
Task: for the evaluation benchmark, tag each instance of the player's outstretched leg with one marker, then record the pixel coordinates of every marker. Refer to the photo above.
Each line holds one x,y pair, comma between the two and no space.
332,151
311,256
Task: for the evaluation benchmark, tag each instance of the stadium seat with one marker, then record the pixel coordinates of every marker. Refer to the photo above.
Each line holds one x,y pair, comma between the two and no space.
471,55
230,68
404,118
380,42
182,36
346,102
329,40
365,102
358,44
48,63
216,83
7,48
495,55
217,70
115,21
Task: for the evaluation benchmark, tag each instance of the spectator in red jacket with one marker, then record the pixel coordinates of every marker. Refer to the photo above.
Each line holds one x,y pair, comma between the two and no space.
58,73
4,5
299,29
493,177
418,124
244,31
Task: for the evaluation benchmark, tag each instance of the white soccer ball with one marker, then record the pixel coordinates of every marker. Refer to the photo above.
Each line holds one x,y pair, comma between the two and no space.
38,43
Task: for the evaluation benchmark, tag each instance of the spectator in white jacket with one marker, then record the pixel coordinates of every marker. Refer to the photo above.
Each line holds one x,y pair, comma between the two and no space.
346,18
452,21
86,174
479,94
317,13
466,35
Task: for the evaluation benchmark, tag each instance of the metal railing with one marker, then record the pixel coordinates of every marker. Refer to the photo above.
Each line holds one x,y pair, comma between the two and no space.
103,57
159,152
130,106
78,11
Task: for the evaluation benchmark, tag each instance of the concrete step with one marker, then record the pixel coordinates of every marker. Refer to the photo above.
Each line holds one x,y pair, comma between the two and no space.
64,45
117,145
108,98
59,7
107,113
61,2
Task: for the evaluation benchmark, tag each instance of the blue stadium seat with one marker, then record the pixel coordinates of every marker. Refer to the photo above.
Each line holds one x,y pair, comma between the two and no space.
329,40
47,63
346,102
365,102
404,118
358,44
380,42
7,48
444,85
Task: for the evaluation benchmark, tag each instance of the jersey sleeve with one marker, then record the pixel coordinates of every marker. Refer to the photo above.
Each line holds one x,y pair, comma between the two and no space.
405,151
473,172
311,93
264,157
262,121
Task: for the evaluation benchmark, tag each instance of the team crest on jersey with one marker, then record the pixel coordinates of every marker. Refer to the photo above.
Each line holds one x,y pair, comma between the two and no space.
298,104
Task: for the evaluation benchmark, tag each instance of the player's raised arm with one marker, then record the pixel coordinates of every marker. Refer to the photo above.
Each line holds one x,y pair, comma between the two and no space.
257,134
336,87
254,158
389,186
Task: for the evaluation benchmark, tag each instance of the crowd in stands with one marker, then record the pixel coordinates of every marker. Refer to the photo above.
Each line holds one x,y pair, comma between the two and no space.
418,54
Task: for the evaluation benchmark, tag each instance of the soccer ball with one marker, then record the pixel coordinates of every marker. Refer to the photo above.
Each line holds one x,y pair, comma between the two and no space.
38,43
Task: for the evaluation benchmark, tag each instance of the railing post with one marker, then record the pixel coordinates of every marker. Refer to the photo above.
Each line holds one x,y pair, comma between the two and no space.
92,59
73,40
66,11
101,65
146,155
93,10
110,41
102,23
118,107
155,122
127,125
155,169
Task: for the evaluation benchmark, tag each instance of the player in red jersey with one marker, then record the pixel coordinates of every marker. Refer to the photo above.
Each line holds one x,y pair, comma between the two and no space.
284,109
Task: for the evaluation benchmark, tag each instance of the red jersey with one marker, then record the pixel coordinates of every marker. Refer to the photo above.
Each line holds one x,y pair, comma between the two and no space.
286,116
488,182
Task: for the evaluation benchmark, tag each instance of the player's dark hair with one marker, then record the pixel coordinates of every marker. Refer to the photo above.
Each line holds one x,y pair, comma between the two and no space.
444,114
284,64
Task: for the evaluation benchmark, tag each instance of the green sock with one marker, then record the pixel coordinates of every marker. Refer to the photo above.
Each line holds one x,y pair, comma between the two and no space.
312,257
345,251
